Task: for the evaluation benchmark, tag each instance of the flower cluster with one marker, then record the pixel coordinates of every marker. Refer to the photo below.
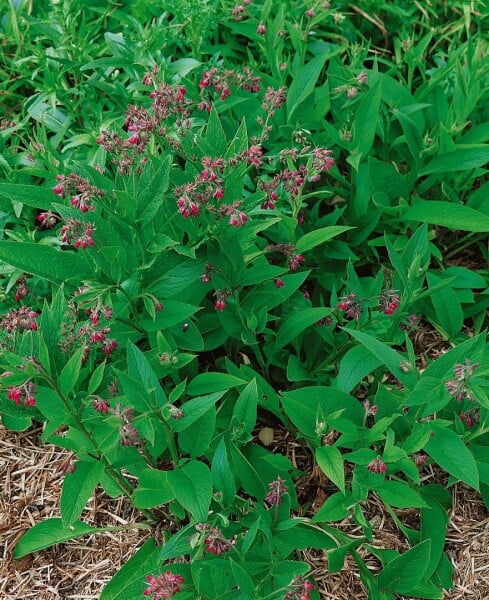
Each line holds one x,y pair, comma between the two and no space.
457,387
214,541
163,586
293,257
276,489
127,432
23,394
80,190
389,302
77,233
351,306
89,334
22,289
19,319
470,417
299,589
377,465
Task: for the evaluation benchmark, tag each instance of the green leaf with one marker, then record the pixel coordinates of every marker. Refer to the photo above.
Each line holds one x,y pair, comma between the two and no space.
386,354
298,322
433,527
96,378
447,449
50,532
215,136
222,474
458,160
447,214
403,574
70,373
319,236
335,508
195,440
400,495
153,195
172,314
48,263
194,409
77,489
153,489
245,411
192,487
213,382
31,195
330,461
356,364
129,581
366,118
303,83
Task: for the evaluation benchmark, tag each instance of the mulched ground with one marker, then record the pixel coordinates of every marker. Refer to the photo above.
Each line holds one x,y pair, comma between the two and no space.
30,487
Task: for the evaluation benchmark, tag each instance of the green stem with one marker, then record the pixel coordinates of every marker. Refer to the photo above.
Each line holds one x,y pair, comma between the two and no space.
118,479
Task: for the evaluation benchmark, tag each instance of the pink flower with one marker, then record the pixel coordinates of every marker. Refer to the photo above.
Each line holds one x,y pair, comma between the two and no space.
277,489
220,304
261,29
377,466
278,283
163,586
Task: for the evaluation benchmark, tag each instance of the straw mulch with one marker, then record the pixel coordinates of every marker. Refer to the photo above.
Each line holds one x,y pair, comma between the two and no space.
30,487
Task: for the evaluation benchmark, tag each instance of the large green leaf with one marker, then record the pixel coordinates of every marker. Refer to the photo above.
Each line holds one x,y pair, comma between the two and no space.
153,489
447,214
50,532
46,262
303,84
129,581
298,322
192,487
331,463
319,236
403,574
447,449
32,195
460,159
77,489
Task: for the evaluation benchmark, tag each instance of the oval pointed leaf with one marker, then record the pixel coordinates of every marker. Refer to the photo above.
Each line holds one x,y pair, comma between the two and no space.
50,532
192,487
330,461
319,236
404,573
447,449
298,322
77,489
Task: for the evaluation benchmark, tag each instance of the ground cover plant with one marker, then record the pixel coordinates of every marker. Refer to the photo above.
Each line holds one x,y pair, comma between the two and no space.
219,220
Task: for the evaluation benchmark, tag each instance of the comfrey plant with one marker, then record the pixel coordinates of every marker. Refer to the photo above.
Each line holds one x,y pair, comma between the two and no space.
169,249
194,262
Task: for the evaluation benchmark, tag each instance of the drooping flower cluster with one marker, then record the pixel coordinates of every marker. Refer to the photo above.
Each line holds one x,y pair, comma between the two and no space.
470,417
164,586
299,589
22,289
78,233
457,387
81,192
351,305
88,334
389,302
213,539
276,489
23,394
294,258
19,319
377,465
